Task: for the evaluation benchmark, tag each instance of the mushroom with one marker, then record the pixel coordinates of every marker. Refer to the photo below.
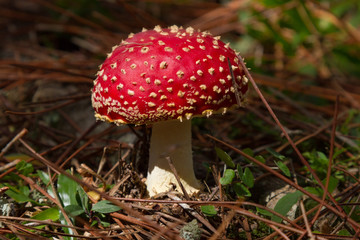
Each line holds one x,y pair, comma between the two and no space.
164,77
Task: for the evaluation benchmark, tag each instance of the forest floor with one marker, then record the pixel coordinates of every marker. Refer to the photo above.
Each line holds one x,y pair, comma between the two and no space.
284,166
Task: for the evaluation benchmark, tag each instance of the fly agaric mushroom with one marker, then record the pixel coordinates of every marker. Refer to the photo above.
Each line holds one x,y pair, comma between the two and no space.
164,77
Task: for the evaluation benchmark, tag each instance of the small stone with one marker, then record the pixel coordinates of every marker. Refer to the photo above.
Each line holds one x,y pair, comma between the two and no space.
191,231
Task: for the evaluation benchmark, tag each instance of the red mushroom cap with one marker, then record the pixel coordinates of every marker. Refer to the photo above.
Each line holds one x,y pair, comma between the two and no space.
164,74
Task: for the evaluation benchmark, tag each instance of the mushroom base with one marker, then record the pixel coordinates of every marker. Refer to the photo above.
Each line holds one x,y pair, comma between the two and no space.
171,139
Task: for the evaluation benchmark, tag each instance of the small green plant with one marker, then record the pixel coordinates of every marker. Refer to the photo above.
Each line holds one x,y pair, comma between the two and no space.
280,161
209,210
73,199
319,162
235,178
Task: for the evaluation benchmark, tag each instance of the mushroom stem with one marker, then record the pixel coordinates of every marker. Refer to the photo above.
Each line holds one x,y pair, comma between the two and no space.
171,139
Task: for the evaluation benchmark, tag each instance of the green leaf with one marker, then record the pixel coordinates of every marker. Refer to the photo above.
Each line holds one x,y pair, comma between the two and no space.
24,190
338,151
67,193
105,224
224,157
50,213
105,206
282,166
241,190
264,212
240,171
94,223
83,197
314,190
74,210
208,210
248,178
344,232
66,229
228,177
284,205
248,151
24,168
18,196
43,176
276,154
322,158
333,182
260,158
67,189
46,180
